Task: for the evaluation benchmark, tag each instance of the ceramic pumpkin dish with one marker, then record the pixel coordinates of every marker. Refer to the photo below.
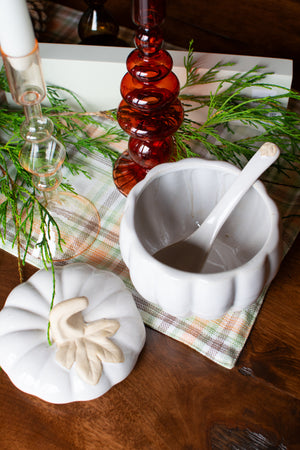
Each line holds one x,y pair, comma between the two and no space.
95,327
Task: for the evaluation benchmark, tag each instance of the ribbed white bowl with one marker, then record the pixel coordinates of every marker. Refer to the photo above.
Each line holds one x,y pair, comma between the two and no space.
166,207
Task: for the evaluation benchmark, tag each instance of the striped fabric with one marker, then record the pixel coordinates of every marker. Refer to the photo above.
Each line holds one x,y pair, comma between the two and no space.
219,340
222,340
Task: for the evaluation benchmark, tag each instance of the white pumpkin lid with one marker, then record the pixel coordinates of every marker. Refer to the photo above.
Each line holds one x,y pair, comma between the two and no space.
110,329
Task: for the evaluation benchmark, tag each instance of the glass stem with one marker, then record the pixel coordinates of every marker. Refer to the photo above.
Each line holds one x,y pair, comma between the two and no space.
33,111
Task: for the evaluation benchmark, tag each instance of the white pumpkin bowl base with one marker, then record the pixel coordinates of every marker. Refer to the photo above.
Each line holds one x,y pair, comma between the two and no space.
168,206
97,328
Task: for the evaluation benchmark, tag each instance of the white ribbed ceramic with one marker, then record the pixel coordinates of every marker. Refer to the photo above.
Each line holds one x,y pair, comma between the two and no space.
166,207
25,354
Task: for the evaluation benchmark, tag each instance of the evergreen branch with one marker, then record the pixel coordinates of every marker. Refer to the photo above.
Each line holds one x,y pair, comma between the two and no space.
228,105
56,100
193,77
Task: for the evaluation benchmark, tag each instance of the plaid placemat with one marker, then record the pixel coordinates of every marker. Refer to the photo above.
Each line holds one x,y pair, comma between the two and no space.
220,340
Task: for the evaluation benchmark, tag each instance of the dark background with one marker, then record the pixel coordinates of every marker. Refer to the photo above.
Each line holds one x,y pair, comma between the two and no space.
249,27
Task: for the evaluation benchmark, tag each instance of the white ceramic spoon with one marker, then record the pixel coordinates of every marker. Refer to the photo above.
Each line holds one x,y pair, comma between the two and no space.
190,254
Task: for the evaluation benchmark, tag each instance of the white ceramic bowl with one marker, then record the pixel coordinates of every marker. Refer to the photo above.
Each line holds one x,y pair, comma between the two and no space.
166,207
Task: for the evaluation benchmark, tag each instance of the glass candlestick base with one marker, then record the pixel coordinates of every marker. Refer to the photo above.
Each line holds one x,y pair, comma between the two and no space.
127,173
78,222
62,225
134,164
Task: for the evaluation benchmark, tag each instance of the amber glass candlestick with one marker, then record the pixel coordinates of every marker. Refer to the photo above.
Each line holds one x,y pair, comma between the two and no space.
150,111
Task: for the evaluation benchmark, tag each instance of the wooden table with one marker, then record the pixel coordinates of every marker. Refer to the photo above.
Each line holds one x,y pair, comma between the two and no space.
175,398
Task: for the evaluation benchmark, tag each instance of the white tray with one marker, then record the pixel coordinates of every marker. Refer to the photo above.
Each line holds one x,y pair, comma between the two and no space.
95,73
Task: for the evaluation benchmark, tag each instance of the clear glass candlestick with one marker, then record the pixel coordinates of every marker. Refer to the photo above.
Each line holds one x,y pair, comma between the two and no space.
43,155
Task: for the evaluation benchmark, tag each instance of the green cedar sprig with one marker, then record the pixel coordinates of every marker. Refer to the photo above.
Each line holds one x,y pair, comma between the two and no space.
230,104
225,106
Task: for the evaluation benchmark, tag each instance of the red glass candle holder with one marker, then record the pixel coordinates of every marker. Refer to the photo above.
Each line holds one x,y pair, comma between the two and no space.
150,111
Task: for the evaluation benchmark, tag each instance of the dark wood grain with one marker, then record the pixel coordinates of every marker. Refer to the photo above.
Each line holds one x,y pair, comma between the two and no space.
270,353
175,398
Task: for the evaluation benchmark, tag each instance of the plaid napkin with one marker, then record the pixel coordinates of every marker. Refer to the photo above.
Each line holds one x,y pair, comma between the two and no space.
219,340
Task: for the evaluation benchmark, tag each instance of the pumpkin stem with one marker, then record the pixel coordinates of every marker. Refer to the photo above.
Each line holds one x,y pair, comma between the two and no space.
52,301
20,269
48,334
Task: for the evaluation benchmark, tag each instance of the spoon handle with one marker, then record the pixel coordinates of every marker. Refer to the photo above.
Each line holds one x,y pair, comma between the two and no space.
262,159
